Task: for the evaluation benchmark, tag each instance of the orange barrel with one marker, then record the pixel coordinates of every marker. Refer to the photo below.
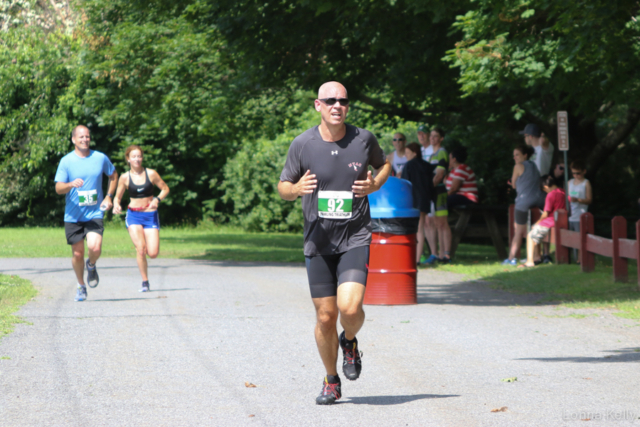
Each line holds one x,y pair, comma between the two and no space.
392,270
392,256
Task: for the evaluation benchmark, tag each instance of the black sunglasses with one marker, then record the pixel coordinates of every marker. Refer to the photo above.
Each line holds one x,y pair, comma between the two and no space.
332,101
399,139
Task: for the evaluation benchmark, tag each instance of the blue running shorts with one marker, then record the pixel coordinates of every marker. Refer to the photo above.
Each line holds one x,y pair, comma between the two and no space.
145,219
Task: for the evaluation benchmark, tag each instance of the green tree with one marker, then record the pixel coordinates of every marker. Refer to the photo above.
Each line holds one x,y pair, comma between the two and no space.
538,57
34,127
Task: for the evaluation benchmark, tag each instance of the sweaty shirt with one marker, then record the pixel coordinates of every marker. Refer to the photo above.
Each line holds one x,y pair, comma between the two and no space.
83,204
334,219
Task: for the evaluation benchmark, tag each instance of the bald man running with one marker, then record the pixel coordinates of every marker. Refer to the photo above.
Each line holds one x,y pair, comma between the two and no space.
328,167
79,177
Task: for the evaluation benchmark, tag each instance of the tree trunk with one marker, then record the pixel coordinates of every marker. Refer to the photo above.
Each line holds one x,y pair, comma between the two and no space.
610,143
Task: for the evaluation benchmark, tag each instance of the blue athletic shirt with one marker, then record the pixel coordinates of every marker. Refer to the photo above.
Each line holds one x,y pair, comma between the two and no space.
90,169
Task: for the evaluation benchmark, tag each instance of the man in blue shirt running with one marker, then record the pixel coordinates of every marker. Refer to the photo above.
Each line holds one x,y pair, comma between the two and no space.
79,177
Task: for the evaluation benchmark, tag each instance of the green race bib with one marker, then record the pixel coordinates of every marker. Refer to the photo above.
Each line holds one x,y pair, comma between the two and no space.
88,198
335,204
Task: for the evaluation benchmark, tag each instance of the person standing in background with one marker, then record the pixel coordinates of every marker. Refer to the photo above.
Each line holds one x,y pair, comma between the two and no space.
525,179
438,230
543,149
398,158
426,148
419,173
580,197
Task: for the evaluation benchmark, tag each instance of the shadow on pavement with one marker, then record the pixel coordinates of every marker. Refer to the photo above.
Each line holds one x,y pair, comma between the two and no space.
474,294
622,355
394,400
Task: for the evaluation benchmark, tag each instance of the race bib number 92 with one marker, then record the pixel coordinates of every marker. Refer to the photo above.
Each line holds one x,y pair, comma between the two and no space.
335,204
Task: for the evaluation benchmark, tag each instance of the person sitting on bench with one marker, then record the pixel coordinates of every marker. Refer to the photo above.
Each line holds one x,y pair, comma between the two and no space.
555,200
461,182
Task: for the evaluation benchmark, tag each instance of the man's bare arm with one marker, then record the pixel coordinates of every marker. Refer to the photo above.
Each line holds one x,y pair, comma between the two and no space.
290,191
65,187
367,186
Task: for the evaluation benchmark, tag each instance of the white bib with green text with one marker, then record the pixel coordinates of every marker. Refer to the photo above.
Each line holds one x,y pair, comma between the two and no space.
88,198
335,204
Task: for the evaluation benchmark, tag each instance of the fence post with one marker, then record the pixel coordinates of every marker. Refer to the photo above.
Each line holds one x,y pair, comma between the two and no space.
638,250
562,223
587,259
620,265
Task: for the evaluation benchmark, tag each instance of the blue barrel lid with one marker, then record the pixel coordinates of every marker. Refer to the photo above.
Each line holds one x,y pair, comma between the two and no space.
393,200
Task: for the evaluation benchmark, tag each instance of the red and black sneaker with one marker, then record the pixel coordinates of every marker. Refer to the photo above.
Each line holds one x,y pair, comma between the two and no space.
330,392
352,362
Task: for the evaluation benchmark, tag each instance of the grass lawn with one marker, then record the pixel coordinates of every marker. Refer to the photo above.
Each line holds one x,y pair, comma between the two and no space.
14,292
212,243
563,283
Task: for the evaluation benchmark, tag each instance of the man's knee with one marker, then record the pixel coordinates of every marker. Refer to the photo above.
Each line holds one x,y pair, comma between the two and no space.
77,250
327,318
352,309
153,253
95,249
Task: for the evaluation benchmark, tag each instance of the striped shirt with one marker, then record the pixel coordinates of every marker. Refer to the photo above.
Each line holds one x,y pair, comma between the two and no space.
469,188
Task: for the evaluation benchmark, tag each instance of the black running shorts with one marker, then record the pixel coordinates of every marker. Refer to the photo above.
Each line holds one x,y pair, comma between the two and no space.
327,272
521,217
77,231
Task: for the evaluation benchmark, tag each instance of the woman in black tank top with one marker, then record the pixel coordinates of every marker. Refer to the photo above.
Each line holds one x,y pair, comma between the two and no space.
142,220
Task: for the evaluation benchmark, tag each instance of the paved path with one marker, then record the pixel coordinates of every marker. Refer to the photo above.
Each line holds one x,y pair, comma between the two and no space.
180,355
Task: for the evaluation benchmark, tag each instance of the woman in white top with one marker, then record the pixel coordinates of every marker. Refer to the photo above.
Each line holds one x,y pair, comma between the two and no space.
580,197
398,157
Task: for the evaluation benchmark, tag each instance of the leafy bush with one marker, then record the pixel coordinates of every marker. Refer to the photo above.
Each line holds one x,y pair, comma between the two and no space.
34,77
251,182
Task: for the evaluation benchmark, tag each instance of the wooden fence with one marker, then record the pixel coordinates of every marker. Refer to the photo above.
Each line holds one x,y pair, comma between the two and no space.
619,248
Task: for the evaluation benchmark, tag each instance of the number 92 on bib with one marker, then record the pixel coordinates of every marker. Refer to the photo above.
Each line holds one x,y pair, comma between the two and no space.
335,204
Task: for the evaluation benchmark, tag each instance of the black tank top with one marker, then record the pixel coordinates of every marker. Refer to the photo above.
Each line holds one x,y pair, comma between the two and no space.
140,191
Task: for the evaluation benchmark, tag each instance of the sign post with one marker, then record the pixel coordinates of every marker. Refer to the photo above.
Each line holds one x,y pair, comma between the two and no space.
563,145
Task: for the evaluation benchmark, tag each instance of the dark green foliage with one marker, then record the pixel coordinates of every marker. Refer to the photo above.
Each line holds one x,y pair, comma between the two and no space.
198,82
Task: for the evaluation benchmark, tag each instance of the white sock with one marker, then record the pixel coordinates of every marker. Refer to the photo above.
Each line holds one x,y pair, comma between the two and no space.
80,286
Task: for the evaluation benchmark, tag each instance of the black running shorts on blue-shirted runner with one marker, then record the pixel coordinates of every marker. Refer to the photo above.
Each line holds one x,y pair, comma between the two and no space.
77,231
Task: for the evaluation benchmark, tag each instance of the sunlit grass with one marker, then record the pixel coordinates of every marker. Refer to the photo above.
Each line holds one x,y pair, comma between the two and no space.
203,242
14,292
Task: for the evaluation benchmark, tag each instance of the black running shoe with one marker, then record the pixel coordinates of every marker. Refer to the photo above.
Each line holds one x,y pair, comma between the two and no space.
352,358
330,393
92,275
145,287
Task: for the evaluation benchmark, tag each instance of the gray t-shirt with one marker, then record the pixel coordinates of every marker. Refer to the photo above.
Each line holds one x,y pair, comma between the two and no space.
334,220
